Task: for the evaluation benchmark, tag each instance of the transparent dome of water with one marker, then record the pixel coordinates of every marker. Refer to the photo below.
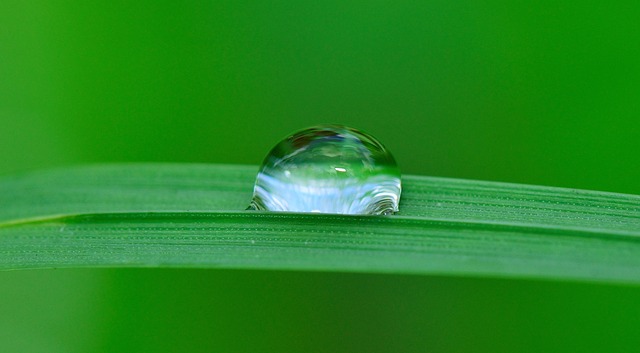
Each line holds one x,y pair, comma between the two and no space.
328,169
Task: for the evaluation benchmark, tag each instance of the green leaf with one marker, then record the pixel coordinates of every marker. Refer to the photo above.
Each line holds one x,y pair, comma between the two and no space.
185,215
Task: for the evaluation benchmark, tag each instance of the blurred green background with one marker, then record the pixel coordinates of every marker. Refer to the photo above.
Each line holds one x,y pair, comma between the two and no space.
540,92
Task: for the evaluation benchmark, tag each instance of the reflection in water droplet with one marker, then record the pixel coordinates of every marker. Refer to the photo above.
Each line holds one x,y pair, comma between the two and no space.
328,169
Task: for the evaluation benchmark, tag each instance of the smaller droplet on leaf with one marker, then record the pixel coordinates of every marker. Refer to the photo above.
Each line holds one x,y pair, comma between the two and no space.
328,169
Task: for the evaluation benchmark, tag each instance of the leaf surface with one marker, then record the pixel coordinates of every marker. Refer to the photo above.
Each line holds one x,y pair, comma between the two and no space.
189,215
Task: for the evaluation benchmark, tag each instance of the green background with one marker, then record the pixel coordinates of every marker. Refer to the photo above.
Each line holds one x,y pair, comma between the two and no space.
531,92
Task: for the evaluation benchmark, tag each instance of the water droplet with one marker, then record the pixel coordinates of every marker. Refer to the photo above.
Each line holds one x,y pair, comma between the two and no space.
328,169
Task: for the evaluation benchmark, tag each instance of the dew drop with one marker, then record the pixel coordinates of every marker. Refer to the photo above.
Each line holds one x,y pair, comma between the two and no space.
328,169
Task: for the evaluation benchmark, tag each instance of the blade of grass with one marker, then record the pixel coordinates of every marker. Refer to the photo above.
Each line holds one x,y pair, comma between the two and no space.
178,215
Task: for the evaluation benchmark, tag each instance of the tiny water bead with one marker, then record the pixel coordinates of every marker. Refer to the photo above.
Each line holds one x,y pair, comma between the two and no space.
328,169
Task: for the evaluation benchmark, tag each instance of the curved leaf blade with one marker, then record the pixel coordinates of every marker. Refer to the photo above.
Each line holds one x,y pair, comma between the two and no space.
191,216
